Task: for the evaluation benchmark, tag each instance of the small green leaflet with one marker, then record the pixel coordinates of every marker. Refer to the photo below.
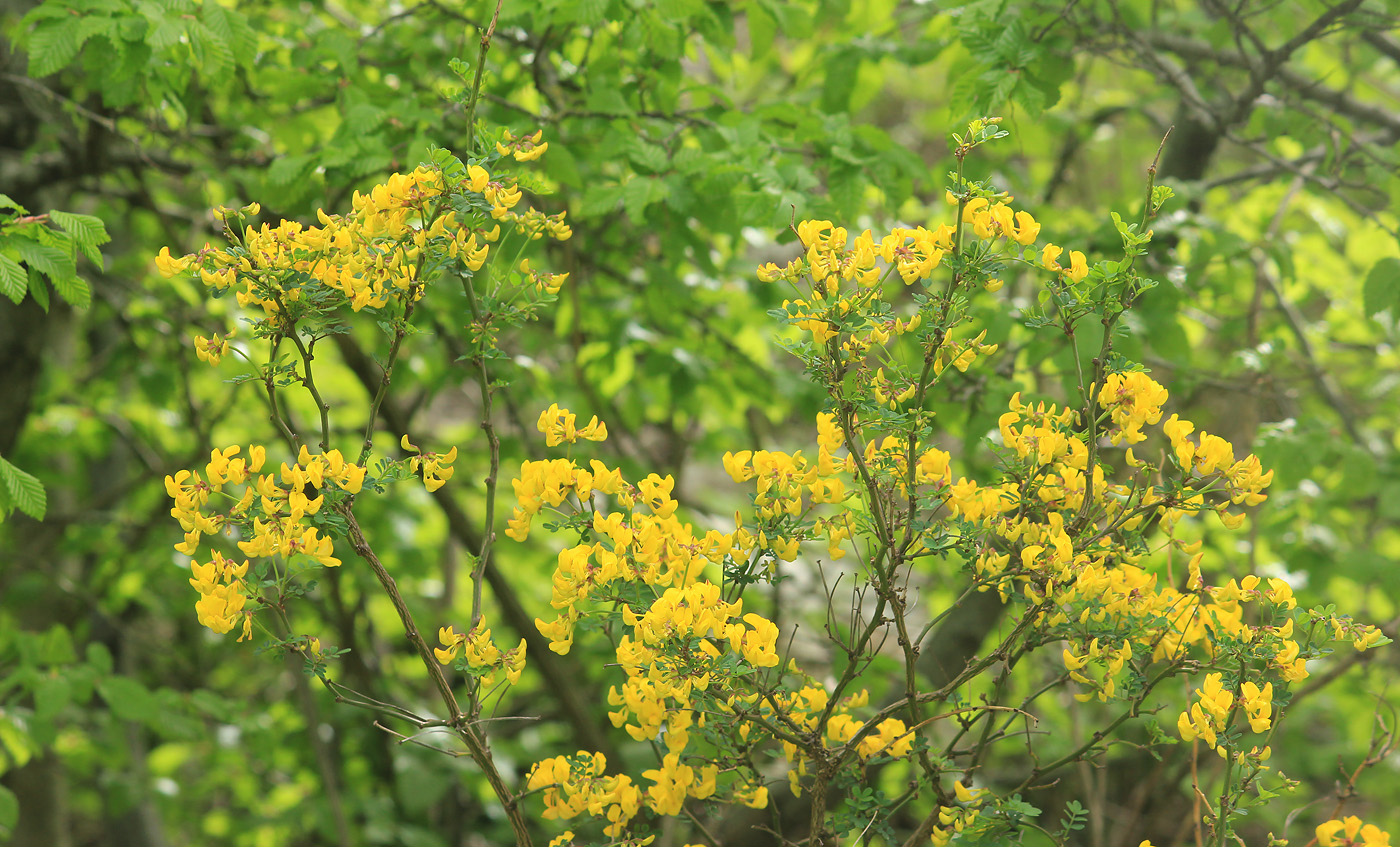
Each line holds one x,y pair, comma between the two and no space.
13,280
86,231
25,491
1381,290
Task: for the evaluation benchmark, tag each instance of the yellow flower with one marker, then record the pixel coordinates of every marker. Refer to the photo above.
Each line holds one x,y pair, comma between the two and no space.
1078,268
1352,832
1025,230
169,266
1258,705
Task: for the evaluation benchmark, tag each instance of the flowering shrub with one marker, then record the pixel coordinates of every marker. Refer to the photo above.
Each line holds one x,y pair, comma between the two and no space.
1089,534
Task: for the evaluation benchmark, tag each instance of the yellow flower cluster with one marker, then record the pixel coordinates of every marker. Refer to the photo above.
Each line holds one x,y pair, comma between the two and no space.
223,592
1210,714
674,650
786,485
540,280
368,256
802,709
993,220
891,737
374,254
651,549
576,784
1045,437
1133,399
687,652
558,427
212,349
1351,831
432,467
1078,266
1245,480
916,253
675,781
953,820
526,148
1113,662
832,258
271,517
482,657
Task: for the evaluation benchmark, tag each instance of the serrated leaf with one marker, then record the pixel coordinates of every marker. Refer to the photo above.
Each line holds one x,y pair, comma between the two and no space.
13,280
38,290
1381,290
52,261
25,491
87,232
232,29
650,156
607,100
73,289
599,199
7,203
364,118
165,31
590,12
214,53
53,47
288,168
637,195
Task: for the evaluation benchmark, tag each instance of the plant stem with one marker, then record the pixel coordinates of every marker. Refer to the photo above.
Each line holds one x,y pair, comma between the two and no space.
476,743
488,534
480,70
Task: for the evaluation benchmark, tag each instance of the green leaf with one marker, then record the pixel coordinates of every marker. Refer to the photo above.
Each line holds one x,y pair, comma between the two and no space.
51,695
53,47
607,100
286,169
13,280
99,657
762,28
165,31
9,809
45,259
1381,290
38,290
364,118
676,11
7,203
649,156
590,12
128,699
232,29
599,199
73,290
624,368
841,72
87,232
214,53
639,193
25,491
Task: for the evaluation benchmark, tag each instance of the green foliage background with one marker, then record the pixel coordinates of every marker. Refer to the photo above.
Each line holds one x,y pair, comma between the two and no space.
684,137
